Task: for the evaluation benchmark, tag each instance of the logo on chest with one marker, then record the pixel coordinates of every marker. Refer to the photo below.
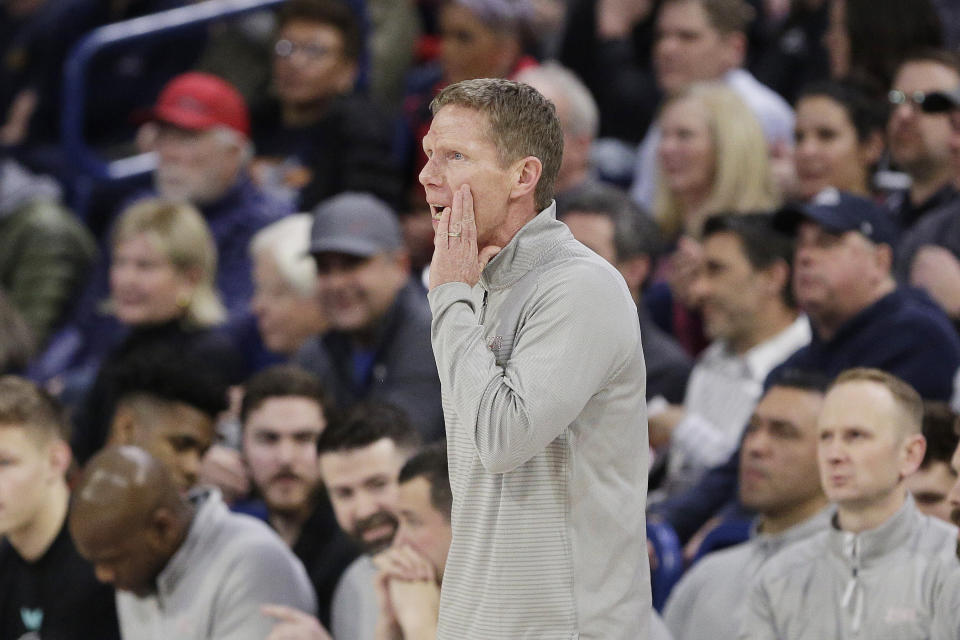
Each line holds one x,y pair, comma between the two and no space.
495,343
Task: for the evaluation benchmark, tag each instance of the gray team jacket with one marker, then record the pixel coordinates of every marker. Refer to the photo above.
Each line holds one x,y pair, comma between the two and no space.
708,601
228,566
542,380
900,581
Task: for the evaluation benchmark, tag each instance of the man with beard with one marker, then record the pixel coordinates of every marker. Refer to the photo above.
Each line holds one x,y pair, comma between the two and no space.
283,416
360,462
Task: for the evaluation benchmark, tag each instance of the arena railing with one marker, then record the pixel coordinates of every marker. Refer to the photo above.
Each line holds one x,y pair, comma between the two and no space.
85,159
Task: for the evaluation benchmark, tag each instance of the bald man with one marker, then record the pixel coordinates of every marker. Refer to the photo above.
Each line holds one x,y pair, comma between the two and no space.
183,568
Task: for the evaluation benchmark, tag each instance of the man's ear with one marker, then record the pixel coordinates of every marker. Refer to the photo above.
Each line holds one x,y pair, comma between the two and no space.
528,175
884,258
345,78
123,427
779,273
914,448
60,456
735,49
165,529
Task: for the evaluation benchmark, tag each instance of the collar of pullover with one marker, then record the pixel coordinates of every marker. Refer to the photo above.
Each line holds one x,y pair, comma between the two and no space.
863,549
525,251
770,544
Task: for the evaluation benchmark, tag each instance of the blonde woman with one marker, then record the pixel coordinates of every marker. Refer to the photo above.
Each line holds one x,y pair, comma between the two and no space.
713,158
163,265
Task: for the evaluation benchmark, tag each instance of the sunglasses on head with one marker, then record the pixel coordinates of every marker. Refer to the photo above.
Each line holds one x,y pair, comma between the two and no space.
932,102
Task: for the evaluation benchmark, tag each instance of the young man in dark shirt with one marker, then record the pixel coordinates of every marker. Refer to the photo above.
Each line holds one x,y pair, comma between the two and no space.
46,589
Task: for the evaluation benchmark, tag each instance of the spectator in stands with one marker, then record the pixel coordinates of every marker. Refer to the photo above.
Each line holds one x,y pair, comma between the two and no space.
360,461
410,571
779,481
787,51
607,44
283,416
839,139
285,286
579,120
931,483
838,582
187,565
859,316
705,40
44,250
919,142
320,137
712,159
929,254
607,221
203,154
46,589
478,39
161,293
378,346
749,313
35,36
868,39
166,402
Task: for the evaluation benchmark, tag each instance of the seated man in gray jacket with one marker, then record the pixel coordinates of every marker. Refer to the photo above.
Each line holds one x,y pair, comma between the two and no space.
183,568
882,570
778,480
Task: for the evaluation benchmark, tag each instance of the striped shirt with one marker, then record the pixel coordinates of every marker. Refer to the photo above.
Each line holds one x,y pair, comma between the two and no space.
542,379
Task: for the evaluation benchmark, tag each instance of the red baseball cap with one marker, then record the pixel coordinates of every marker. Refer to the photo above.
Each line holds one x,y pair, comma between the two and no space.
197,100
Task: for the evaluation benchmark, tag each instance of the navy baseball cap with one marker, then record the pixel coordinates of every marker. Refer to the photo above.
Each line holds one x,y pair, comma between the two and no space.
839,212
355,224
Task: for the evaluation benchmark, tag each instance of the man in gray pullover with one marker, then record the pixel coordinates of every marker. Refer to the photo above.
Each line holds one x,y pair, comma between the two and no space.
778,480
542,379
882,570
183,568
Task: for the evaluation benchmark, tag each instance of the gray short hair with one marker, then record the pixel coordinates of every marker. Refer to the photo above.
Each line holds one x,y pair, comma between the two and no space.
584,116
288,241
635,232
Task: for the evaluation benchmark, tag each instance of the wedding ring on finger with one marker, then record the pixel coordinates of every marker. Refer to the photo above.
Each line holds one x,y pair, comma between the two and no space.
453,234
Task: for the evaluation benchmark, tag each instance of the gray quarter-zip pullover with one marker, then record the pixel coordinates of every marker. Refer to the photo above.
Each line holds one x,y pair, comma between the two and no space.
542,379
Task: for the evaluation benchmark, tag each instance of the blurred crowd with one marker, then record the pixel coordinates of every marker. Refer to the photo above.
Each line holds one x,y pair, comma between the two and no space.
226,361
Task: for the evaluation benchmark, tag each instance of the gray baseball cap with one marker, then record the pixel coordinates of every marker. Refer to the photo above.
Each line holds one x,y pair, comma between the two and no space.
355,224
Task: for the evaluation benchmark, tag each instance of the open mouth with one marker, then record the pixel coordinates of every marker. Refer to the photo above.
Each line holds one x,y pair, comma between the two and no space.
436,210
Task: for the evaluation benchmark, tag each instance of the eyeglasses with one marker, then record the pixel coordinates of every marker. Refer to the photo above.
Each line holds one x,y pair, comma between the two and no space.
933,102
286,48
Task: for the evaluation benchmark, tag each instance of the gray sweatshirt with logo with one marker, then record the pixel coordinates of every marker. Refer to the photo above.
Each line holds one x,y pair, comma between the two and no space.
542,379
900,581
